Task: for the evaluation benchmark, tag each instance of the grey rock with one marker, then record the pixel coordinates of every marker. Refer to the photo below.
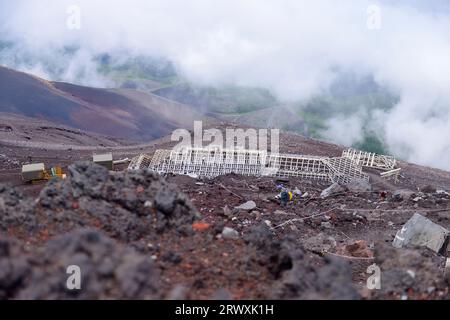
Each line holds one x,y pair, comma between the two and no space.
2,205
326,225
165,201
249,205
442,192
319,243
227,211
359,185
179,292
333,189
259,235
230,233
402,194
420,231
428,189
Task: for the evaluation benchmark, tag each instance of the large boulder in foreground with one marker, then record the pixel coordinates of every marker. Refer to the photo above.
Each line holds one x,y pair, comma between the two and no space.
420,231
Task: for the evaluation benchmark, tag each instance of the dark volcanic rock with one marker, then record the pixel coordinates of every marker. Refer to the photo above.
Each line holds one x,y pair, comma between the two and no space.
128,205
296,274
305,280
260,236
408,270
15,210
402,194
108,270
14,268
428,189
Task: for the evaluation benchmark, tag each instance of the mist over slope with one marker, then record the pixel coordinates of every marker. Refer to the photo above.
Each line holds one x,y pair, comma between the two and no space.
295,49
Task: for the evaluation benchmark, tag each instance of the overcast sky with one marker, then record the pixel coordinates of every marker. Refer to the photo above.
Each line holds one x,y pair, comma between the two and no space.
291,47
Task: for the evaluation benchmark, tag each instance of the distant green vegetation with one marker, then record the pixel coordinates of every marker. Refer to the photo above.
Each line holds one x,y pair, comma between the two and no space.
315,122
371,143
317,111
228,99
243,99
159,76
137,69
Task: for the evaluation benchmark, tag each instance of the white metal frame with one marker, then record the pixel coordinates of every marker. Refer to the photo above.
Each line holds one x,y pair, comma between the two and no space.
142,161
369,159
212,162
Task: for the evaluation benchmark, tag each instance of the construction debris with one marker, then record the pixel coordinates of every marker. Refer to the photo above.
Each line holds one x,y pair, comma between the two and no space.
105,160
121,161
420,231
213,162
387,164
33,172
36,172
140,162
370,160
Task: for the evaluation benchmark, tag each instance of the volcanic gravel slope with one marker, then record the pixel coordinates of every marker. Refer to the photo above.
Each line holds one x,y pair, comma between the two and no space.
139,235
136,235
123,114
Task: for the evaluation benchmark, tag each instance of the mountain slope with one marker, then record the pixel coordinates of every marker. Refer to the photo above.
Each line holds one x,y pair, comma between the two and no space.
132,116
17,129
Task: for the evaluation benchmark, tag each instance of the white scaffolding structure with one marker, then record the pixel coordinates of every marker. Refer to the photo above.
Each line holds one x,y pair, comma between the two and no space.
369,159
391,174
208,162
140,162
386,164
213,162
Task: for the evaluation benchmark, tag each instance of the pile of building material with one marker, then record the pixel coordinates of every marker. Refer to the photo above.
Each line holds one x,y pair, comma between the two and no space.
387,164
213,162
33,172
140,162
36,172
105,160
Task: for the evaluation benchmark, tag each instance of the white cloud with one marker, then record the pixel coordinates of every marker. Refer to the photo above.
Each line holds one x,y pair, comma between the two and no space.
345,130
292,47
